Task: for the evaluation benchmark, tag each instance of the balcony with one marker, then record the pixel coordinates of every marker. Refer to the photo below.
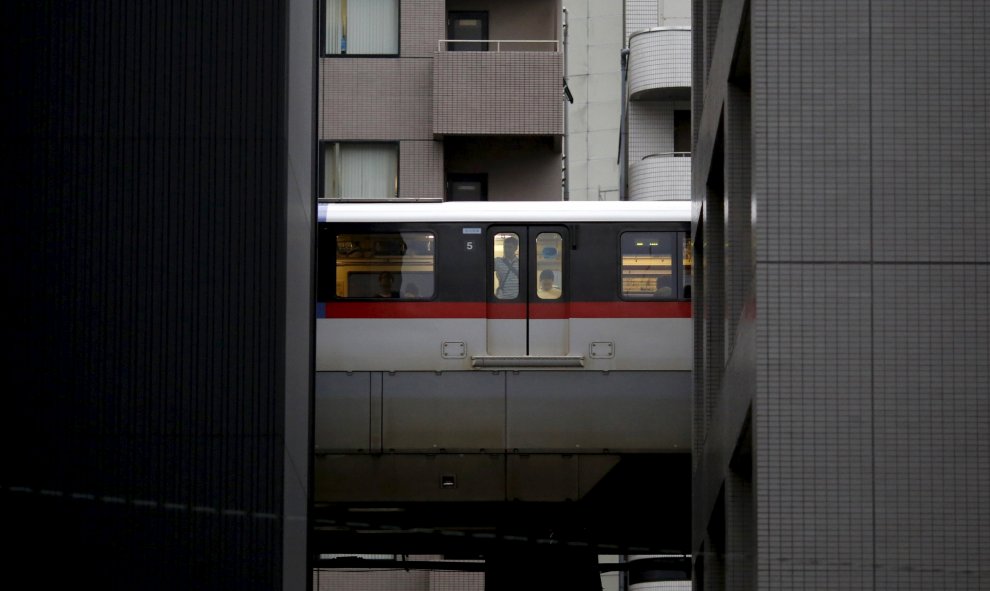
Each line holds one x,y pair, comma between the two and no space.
513,88
660,64
661,177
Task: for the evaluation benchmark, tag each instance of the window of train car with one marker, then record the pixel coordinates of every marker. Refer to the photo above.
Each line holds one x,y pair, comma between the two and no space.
648,271
399,265
687,259
549,270
506,265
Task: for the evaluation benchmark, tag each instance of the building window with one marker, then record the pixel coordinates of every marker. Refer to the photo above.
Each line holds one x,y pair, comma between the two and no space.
362,27
360,170
682,132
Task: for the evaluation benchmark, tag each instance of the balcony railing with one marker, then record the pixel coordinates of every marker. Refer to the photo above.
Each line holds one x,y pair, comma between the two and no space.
663,176
667,155
510,44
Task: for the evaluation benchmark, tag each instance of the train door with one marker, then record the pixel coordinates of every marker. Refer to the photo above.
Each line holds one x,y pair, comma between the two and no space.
527,311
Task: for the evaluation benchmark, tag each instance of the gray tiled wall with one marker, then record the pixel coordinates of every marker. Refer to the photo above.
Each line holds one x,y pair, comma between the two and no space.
739,250
928,99
421,169
813,427
421,24
931,455
375,99
869,173
498,93
813,151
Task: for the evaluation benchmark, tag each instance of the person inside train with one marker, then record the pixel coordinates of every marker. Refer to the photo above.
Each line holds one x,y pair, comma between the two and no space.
545,289
411,291
386,281
664,289
507,270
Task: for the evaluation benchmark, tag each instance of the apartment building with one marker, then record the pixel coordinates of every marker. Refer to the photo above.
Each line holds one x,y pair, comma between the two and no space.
628,67
842,290
433,99
655,158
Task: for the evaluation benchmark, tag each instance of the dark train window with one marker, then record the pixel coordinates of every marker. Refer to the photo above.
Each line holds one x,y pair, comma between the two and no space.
549,269
686,262
398,265
648,270
506,265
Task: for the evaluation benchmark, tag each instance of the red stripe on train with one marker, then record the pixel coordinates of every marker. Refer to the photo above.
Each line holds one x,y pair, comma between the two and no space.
541,311
404,310
630,309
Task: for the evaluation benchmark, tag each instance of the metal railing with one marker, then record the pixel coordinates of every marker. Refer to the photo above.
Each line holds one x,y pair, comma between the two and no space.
667,155
442,44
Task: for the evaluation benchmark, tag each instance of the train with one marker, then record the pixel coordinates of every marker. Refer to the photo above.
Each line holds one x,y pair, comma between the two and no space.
618,277
497,351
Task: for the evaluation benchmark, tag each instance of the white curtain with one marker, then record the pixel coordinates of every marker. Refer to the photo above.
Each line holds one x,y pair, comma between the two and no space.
330,172
366,171
371,27
334,27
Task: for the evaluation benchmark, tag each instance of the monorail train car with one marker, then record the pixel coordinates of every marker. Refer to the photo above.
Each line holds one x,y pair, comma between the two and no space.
499,350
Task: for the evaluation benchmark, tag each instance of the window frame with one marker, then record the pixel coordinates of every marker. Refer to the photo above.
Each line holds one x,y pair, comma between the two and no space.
323,36
324,144
537,270
675,266
371,231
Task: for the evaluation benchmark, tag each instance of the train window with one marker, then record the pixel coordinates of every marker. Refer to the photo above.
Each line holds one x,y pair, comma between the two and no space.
648,265
506,265
549,271
397,265
686,261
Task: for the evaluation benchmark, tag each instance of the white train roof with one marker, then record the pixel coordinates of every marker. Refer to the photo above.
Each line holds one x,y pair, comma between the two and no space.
506,211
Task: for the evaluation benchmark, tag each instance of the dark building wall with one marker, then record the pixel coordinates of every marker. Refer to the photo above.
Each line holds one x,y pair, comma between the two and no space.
863,354
144,242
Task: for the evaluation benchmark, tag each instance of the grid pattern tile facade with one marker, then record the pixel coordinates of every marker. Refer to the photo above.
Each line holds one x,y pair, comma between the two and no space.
661,178
651,128
420,169
659,59
817,143
713,318
640,15
871,413
421,24
930,148
498,93
739,251
375,99
932,425
813,427
740,532
711,11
